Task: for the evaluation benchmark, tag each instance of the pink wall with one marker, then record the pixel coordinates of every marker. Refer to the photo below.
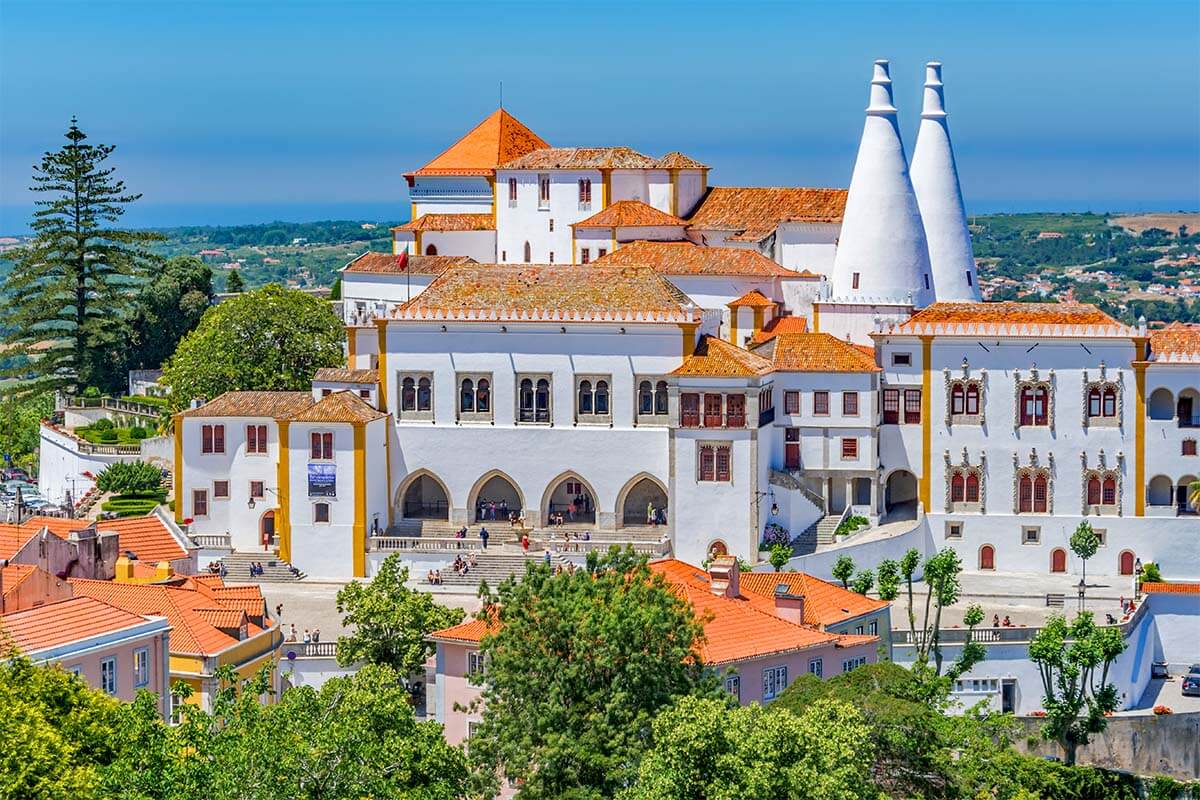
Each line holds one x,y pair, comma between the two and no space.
88,664
453,688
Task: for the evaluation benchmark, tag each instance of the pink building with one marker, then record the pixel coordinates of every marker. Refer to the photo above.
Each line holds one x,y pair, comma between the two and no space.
757,641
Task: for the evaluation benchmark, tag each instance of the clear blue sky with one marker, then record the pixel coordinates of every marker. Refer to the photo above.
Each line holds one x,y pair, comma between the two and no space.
248,111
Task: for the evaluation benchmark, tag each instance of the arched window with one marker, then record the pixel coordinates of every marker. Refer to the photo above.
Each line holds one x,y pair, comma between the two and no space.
972,399
958,399
1094,402
466,402
645,398
431,250
585,397
1040,493
408,395
483,396
1110,402
542,400
424,395
1025,495
987,557
972,488
602,397
528,253
1034,405
1093,491
1058,560
1109,495
957,487
525,400
660,397
1125,562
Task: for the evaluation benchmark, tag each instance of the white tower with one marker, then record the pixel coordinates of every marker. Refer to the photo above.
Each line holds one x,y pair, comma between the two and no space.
882,255
935,180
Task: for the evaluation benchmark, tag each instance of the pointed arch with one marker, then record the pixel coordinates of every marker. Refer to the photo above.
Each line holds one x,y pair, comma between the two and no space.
398,504
544,509
623,497
473,496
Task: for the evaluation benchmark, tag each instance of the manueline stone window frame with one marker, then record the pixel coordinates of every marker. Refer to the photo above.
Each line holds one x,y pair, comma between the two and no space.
416,413
972,389
591,390
472,412
1100,389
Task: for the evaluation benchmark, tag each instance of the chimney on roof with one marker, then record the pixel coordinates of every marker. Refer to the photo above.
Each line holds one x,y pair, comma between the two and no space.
724,577
882,250
789,605
939,196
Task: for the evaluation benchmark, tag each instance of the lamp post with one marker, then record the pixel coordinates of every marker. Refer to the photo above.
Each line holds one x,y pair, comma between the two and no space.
1082,591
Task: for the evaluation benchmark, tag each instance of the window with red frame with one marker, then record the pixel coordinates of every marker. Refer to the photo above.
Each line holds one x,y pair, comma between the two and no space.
957,488
1034,405
1025,495
972,399
972,488
712,410
212,439
689,410
912,406
1040,494
958,399
512,190
256,490
849,448
891,406
1109,495
1188,447
1094,403
714,463
821,404
322,446
1093,491
735,411
791,402
585,190
723,464
256,439
850,404
791,448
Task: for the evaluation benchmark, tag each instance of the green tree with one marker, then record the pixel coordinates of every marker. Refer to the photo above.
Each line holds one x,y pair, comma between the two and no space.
577,668
780,555
20,421
391,621
943,588
843,570
129,477
1073,661
68,298
1193,491
335,292
889,579
1084,543
168,306
268,339
863,581
705,749
234,283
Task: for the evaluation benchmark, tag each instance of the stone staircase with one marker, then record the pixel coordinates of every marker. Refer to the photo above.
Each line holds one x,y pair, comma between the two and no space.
491,566
826,526
275,570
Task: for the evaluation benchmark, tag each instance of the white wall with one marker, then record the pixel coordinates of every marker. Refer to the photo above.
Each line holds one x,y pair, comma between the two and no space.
705,511
377,293
323,550
802,245
479,245
61,466
526,222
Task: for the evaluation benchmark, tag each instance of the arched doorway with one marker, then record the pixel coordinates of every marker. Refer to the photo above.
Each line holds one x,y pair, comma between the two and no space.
431,250
1182,506
717,548
424,497
1187,408
1160,491
266,528
571,499
1161,404
643,501
900,496
987,557
1125,562
1058,560
495,497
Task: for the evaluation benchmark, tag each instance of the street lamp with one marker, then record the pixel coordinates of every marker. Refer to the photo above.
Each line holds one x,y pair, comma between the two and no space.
758,496
1082,591
250,502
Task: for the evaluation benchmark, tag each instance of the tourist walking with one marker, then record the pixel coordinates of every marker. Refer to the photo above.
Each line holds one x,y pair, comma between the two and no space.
483,536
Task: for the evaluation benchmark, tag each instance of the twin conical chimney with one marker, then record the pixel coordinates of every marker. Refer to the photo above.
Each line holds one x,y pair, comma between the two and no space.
882,255
935,180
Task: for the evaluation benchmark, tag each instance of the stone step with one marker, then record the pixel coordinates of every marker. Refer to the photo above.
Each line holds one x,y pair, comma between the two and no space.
237,566
491,567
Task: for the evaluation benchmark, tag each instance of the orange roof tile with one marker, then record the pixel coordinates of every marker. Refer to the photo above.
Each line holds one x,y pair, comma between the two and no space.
716,358
824,603
388,264
449,223
752,213
13,575
147,537
57,624
277,405
470,632
343,375
630,214
814,352
677,160
343,406
1177,343
1012,319
687,258
581,158
499,138
559,293
778,325
228,618
1171,588
752,299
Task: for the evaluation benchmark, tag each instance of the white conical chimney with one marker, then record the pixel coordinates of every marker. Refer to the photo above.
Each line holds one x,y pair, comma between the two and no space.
882,254
935,180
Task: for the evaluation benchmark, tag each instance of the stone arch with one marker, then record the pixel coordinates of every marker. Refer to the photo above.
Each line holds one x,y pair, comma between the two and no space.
1181,494
900,492
987,557
407,510
555,501
1125,562
1161,404
513,490
717,547
636,513
1058,560
1187,408
266,528
1160,491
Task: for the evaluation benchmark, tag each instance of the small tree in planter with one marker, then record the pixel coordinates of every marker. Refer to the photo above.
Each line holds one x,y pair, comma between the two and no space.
780,553
843,570
1085,543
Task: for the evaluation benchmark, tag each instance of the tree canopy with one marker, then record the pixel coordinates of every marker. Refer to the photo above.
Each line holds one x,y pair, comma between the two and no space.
168,306
268,339
129,477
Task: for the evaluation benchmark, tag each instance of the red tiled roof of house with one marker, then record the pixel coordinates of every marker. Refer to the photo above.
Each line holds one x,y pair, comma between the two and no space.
581,158
470,632
630,214
752,213
814,352
716,358
687,258
752,299
677,160
824,603
388,264
13,575
498,139
56,624
147,537
343,375
778,325
343,406
1177,343
228,618
448,223
549,292
1171,588
1012,319
276,405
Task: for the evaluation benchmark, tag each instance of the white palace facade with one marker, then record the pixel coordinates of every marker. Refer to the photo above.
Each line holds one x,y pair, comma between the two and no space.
598,333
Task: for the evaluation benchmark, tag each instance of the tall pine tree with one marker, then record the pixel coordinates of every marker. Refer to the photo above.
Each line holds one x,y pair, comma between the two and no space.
67,302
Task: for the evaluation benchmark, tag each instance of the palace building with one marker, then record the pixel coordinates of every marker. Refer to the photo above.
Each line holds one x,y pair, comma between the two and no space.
600,335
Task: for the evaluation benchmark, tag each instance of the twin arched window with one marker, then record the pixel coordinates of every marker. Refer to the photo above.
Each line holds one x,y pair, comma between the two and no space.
475,396
533,400
416,394
593,399
1102,489
1102,401
1033,493
964,399
1035,405
652,398
964,486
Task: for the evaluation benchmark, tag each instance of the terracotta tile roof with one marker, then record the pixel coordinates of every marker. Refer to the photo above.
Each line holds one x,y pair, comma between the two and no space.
499,138
228,618
277,405
566,293
686,258
449,223
1012,319
752,213
630,214
57,624
1177,343
677,160
716,358
342,375
814,352
581,158
388,264
13,575
752,299
737,628
470,632
778,325
147,537
824,603
191,633
1171,588
344,406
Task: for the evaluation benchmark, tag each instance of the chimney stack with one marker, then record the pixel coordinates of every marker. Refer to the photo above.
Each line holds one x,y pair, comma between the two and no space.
882,255
789,605
935,181
724,577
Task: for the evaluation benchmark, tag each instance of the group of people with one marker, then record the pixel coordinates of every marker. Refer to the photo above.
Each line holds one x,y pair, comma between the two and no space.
434,577
256,569
581,504
217,568
309,636
462,532
655,516
1007,623
491,509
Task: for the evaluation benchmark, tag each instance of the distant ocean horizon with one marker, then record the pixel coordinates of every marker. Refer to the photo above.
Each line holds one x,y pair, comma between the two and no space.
14,219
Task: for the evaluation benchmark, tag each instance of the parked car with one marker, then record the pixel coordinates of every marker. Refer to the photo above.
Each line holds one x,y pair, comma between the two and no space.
1191,681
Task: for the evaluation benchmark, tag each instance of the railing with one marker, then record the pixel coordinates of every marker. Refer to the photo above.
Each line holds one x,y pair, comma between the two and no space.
766,416
214,540
310,649
114,404
387,544
656,549
953,636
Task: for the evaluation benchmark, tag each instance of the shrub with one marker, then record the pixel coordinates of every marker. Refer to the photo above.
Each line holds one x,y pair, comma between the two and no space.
851,524
129,478
103,425
109,436
1151,573
137,433
775,534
